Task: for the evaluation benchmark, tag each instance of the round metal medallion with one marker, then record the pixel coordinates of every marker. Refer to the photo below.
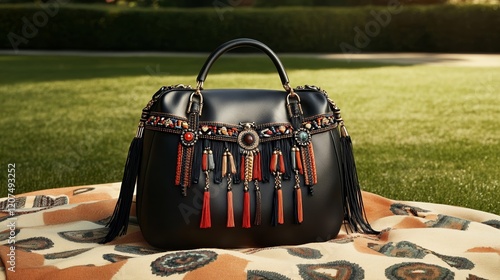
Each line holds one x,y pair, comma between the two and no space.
248,139
302,136
189,137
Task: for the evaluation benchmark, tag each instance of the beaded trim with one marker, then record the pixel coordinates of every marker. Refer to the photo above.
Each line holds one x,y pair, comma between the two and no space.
229,132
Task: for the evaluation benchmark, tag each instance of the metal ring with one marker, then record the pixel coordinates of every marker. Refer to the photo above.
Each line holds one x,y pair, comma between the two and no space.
199,85
197,92
287,88
294,95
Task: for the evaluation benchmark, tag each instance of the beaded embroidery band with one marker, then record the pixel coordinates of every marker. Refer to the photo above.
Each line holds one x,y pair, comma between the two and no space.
185,149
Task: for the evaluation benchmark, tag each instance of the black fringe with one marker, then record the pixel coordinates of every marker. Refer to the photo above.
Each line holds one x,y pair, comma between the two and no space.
118,223
196,170
235,150
354,212
266,151
286,148
218,150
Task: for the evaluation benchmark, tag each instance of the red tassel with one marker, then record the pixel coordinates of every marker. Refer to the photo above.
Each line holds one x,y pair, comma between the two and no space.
204,161
274,161
255,167
230,211
259,164
178,169
282,163
281,218
298,205
246,210
257,171
242,168
206,221
298,160
313,164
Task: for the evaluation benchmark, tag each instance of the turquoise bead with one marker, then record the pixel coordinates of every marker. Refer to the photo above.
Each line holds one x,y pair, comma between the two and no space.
303,136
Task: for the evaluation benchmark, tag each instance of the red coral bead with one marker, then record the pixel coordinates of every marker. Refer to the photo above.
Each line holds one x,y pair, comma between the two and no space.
188,136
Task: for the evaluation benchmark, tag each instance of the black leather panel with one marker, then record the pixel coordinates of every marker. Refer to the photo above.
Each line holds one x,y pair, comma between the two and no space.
242,105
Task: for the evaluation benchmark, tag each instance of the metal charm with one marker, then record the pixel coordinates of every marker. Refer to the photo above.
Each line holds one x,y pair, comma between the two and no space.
302,137
189,137
248,139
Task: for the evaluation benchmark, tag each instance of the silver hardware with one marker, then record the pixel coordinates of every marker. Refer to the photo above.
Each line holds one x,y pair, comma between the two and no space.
197,92
289,107
140,130
199,85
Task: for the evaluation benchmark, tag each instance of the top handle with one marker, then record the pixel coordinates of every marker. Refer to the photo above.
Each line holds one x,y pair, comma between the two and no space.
237,43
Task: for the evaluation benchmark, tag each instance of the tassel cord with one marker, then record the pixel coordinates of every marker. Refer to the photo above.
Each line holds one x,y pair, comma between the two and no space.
229,169
230,211
207,166
206,221
118,224
353,202
246,209
258,205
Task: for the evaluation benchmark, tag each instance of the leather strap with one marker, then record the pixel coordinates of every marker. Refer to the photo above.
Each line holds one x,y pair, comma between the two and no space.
238,43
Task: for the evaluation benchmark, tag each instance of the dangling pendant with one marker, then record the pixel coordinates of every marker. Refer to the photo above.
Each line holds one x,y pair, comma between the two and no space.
277,169
258,205
246,207
250,169
298,211
207,165
228,172
206,221
246,194
303,139
297,195
257,176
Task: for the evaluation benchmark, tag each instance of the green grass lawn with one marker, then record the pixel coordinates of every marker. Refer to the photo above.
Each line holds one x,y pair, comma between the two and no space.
425,133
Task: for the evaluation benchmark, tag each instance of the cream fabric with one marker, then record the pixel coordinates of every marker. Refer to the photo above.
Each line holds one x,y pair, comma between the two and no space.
55,232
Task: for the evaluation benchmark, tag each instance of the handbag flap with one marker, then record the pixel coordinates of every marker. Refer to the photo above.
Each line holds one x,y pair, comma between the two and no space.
233,106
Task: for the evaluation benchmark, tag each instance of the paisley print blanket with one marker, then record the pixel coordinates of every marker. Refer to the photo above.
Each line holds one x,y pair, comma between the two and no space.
53,234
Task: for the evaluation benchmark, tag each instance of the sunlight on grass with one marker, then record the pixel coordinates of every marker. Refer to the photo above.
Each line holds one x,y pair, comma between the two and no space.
423,133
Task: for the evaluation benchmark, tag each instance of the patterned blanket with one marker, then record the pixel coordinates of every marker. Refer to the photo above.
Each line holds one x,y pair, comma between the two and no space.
52,234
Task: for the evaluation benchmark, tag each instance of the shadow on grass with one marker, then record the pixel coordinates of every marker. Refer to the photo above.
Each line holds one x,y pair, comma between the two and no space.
14,69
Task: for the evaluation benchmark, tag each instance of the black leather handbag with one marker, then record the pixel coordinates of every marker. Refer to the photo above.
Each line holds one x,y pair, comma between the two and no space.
231,168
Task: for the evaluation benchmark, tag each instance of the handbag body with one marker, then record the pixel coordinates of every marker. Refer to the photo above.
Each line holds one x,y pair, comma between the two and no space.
233,168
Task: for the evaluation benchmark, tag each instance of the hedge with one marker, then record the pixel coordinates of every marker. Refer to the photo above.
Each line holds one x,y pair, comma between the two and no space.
442,28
